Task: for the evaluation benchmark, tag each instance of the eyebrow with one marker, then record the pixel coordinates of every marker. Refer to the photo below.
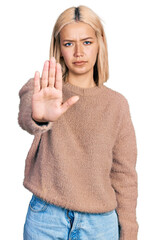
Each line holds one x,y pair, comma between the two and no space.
68,40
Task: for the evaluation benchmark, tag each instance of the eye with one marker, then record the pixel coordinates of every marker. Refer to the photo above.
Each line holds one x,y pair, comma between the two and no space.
88,42
66,44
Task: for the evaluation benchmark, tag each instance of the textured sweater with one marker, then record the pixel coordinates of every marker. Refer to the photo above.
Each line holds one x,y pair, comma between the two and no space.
85,161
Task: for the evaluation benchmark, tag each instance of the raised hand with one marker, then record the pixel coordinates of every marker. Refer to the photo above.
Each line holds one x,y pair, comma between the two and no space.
47,105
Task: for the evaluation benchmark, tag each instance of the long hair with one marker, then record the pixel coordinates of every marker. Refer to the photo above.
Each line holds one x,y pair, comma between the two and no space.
86,15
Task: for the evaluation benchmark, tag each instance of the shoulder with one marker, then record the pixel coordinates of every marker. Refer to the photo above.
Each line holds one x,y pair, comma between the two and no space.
117,98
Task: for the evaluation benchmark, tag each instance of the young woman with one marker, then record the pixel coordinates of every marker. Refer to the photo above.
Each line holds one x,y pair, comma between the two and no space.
81,165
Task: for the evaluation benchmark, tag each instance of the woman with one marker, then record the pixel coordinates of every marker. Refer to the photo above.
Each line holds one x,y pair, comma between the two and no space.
81,165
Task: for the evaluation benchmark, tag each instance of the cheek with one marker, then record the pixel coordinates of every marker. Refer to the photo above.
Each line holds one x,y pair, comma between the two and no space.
66,55
93,54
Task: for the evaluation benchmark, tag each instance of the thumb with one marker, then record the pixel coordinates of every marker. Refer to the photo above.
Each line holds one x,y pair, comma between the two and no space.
71,101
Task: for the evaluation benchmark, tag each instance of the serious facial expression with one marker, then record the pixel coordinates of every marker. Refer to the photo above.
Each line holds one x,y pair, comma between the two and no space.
79,47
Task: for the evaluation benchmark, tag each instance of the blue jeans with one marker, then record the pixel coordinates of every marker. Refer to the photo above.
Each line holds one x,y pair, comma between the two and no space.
46,221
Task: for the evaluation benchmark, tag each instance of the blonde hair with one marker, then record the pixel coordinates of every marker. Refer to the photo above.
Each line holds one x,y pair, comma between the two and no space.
86,15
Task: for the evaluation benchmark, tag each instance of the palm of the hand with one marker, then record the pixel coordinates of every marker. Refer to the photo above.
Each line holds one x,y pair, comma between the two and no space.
47,98
47,104
48,94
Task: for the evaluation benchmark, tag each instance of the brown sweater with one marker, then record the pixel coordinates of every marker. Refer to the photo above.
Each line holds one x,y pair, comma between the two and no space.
85,161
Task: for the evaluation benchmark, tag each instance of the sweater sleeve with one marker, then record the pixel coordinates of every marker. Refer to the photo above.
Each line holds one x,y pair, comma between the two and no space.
124,176
25,119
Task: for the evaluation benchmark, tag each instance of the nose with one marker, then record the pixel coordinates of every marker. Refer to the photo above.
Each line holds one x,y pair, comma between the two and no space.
78,51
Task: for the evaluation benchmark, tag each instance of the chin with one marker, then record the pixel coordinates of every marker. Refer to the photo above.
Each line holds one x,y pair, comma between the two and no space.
80,72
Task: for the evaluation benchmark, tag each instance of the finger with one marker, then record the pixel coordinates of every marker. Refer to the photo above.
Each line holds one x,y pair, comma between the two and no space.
37,82
58,82
44,80
52,72
69,103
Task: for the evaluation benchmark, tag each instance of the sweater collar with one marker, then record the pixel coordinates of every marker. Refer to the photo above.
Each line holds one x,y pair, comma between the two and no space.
83,91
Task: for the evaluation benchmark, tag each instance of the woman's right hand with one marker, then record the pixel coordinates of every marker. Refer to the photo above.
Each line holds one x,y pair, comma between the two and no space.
47,105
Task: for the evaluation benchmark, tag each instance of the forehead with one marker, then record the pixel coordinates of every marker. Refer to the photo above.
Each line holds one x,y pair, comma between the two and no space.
77,29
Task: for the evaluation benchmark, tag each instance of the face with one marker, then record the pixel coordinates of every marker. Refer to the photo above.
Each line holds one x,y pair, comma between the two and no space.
79,47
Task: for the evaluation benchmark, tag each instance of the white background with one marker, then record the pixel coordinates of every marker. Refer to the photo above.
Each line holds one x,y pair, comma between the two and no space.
26,28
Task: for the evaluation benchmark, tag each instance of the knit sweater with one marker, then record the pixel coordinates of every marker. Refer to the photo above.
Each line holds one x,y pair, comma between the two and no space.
85,161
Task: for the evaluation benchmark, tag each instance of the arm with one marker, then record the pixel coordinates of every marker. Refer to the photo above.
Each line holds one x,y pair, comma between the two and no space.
124,176
25,119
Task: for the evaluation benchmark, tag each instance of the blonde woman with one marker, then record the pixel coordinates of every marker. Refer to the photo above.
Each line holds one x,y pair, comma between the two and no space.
81,165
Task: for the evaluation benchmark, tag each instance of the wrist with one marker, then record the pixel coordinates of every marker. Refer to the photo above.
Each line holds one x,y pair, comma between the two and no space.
39,121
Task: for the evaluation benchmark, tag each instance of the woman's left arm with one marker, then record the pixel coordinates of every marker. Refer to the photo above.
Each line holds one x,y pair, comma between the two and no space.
124,176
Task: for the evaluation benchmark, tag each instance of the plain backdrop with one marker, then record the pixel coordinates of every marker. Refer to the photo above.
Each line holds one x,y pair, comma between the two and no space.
26,28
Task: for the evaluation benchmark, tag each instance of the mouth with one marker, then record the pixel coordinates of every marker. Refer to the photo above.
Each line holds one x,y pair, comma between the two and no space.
79,62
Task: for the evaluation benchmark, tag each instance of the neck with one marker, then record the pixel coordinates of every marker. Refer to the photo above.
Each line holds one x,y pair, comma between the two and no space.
83,81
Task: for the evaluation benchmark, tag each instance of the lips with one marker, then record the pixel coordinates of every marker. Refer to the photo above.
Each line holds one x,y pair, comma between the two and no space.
80,62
